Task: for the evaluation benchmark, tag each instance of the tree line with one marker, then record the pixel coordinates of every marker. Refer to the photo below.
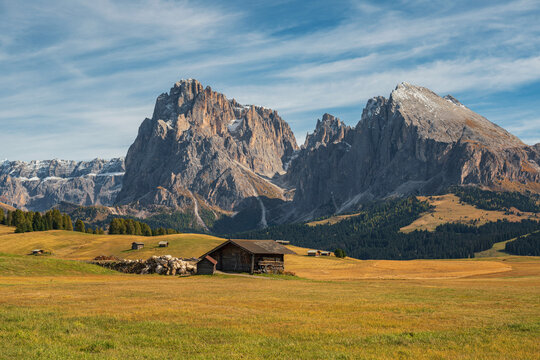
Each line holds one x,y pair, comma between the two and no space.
120,226
497,200
528,245
375,234
26,221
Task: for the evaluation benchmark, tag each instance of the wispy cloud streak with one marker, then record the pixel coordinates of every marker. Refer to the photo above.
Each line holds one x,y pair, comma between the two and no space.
75,69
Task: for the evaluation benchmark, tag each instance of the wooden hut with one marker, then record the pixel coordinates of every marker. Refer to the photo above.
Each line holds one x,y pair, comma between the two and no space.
163,244
137,245
249,256
37,252
313,252
325,253
283,242
206,266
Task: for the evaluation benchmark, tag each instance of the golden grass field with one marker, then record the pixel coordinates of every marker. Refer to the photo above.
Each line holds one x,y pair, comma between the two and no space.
449,209
81,246
54,308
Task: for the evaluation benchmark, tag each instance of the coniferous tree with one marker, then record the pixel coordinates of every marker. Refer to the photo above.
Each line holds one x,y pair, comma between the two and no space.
122,224
37,222
2,216
48,220
130,227
68,225
9,218
138,230
114,227
340,253
146,231
18,218
79,225
57,221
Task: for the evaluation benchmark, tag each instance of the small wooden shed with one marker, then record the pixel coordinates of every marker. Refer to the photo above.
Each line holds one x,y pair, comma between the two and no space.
325,253
163,244
313,252
283,242
37,252
206,266
137,245
249,256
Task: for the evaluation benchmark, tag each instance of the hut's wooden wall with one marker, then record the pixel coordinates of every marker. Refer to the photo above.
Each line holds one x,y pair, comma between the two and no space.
205,267
232,258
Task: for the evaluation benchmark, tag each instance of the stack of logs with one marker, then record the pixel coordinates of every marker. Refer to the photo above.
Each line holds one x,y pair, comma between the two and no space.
163,265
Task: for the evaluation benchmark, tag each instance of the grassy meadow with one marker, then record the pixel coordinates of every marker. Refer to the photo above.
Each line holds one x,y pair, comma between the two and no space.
448,209
54,307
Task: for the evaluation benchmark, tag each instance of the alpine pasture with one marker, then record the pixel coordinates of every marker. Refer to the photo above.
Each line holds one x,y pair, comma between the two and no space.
57,306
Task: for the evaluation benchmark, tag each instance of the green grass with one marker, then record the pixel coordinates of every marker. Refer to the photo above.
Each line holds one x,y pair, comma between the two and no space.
76,245
52,308
29,265
205,317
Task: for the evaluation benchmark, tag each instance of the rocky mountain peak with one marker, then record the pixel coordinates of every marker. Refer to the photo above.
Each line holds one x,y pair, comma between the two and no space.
329,130
453,100
40,184
413,142
201,146
446,119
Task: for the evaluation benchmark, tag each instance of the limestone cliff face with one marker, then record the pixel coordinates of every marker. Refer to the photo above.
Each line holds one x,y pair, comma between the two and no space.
202,149
204,154
414,142
327,131
40,185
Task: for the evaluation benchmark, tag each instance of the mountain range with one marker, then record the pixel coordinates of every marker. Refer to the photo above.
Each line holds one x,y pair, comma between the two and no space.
204,154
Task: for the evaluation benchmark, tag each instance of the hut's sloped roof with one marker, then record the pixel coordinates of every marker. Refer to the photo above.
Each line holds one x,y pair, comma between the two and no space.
262,246
209,258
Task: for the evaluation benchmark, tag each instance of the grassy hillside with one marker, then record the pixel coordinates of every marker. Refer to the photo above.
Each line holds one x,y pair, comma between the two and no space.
27,265
5,230
75,245
158,317
449,209
332,268
54,308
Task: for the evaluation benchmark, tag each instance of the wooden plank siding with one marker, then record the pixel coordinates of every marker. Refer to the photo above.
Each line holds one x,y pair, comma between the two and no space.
249,256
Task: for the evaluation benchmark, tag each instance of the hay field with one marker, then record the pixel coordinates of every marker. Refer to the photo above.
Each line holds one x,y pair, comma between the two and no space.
76,245
53,308
116,316
448,209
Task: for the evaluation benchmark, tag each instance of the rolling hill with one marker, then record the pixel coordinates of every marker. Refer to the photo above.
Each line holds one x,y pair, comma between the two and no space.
67,245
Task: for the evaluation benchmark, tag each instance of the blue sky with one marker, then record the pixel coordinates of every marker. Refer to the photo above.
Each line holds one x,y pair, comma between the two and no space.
78,77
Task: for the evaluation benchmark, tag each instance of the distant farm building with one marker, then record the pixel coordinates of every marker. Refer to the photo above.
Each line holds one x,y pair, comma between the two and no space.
163,244
325,253
313,252
283,242
249,256
137,245
206,266
37,252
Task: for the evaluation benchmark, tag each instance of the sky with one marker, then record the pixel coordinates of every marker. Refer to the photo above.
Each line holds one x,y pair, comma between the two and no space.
78,77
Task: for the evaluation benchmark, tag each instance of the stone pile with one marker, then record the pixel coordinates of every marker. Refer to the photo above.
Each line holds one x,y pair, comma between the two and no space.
163,265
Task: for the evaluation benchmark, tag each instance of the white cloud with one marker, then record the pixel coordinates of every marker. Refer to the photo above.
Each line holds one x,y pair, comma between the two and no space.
103,62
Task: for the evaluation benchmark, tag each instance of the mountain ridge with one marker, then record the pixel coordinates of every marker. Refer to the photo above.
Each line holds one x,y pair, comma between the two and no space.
202,152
